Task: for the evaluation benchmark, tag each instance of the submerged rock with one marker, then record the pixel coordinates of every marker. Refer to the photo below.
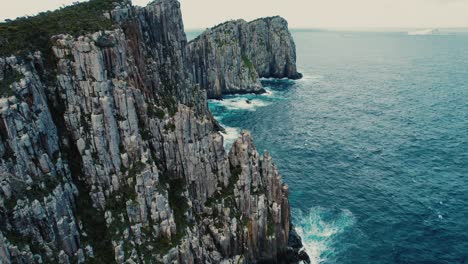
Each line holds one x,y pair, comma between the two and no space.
232,57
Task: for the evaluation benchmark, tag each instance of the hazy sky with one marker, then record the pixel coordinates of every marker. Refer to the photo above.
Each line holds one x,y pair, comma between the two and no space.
299,13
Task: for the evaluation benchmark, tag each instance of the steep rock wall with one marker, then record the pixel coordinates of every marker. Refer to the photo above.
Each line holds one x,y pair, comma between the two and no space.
231,57
117,157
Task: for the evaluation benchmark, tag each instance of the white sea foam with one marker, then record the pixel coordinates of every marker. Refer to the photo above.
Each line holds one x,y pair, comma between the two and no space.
268,92
311,77
274,79
317,230
240,103
230,135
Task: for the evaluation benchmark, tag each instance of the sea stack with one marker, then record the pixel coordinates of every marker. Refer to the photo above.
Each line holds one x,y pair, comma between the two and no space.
232,57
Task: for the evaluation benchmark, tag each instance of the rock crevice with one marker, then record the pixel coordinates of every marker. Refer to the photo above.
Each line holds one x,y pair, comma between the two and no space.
118,159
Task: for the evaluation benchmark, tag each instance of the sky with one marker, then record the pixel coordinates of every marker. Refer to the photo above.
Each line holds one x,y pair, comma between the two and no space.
299,13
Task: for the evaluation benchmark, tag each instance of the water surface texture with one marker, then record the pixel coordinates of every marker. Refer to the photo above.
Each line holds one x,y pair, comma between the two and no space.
373,143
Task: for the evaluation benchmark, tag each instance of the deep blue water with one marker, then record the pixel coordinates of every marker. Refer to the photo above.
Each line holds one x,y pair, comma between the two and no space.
373,143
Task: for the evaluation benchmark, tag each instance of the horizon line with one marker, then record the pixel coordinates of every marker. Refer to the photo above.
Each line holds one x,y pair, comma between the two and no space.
352,28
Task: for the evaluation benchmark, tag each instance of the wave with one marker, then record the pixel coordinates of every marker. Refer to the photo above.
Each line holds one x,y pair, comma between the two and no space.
318,227
241,103
267,92
311,77
230,135
233,103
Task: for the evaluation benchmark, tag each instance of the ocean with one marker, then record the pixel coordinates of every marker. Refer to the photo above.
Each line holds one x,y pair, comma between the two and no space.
373,143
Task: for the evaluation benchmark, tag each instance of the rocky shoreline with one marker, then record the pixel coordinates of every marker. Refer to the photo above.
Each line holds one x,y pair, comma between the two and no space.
112,155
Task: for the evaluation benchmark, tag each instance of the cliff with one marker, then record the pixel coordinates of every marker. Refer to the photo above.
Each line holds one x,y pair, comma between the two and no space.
231,57
108,152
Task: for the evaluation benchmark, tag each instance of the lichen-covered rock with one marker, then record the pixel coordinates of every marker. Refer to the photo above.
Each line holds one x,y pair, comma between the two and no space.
110,154
231,57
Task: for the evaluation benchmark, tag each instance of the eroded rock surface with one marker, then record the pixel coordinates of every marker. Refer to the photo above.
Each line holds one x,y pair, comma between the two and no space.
231,57
116,158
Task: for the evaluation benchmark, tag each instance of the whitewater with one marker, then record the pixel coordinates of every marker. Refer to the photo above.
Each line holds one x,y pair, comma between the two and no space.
372,143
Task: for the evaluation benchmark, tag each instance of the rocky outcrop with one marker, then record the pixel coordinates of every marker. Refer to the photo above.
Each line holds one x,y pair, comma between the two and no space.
231,57
111,154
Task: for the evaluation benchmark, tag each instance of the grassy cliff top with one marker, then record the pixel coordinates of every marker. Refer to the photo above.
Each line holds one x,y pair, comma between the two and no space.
27,34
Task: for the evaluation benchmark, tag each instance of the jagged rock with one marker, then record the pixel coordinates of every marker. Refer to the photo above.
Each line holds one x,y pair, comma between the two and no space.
304,257
63,258
80,256
119,159
231,57
4,253
295,240
89,251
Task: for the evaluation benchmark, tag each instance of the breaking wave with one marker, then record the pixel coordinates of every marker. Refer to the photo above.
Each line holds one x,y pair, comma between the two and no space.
241,103
230,135
318,228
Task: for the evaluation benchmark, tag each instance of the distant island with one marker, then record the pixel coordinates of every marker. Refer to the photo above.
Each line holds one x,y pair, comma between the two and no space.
424,32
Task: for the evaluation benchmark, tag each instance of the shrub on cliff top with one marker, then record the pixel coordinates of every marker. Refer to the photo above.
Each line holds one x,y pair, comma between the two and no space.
28,34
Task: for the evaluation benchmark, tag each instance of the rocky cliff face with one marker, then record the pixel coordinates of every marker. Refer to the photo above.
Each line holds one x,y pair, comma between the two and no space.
231,57
111,154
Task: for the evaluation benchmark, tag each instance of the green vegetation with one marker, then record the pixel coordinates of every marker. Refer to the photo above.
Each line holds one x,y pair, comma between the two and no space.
9,154
103,41
22,241
41,189
235,173
160,245
27,34
222,24
179,205
153,245
120,118
169,86
145,134
221,43
225,39
248,63
117,201
136,169
227,192
50,183
10,76
227,198
19,238
93,220
170,127
155,112
270,225
117,204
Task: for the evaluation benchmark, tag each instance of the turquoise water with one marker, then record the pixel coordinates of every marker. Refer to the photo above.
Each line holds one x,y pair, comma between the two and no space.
373,143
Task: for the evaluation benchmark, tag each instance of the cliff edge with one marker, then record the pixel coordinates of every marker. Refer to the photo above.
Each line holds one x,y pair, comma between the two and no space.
108,153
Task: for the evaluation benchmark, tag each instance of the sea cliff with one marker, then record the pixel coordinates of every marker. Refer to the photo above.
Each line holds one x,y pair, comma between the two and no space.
108,153
232,57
